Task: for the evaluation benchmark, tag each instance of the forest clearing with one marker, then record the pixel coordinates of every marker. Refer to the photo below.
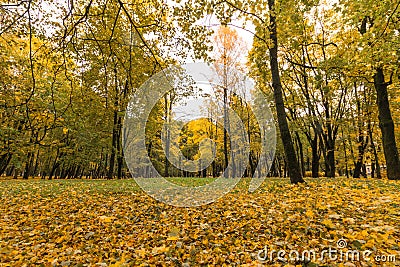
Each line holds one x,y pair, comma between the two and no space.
113,223
200,133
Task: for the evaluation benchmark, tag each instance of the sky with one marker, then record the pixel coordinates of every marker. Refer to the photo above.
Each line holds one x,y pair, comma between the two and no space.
195,108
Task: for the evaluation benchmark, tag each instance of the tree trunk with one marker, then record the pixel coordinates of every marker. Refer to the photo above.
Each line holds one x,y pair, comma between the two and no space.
345,156
328,141
226,158
35,168
330,170
290,154
4,161
301,154
113,146
55,164
387,126
315,158
376,168
28,165
167,114
362,145
119,152
10,170
252,165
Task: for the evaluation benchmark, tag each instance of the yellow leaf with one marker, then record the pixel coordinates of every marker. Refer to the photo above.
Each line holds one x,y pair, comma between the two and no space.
328,223
159,250
60,239
309,213
106,219
118,264
370,244
349,220
141,252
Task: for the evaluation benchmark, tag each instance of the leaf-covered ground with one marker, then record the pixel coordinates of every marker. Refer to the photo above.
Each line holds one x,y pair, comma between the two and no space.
113,223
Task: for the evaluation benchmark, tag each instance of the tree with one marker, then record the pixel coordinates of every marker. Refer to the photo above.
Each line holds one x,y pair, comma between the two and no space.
318,87
224,12
377,34
96,56
228,48
119,57
290,154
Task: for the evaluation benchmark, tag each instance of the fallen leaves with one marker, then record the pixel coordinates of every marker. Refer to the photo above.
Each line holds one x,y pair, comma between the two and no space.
113,223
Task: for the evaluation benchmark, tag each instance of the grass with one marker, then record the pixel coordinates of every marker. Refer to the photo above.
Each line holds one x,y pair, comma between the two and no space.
85,186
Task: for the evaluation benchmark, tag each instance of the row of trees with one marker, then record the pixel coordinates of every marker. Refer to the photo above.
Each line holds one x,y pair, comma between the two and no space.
68,70
67,73
334,69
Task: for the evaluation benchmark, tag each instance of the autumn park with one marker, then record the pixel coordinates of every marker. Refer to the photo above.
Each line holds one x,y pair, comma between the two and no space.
200,133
